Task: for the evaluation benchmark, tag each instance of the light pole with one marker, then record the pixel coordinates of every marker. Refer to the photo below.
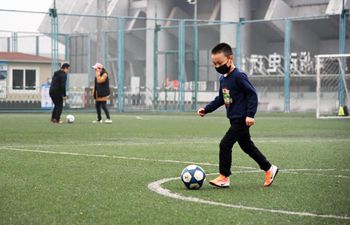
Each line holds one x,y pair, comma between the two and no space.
195,54
194,3
54,37
342,111
155,58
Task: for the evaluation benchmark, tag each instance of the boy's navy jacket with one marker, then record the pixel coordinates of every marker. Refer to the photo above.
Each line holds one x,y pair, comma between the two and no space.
238,95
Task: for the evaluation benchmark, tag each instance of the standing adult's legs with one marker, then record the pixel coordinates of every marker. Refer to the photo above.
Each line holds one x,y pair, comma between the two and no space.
104,107
56,112
98,110
59,108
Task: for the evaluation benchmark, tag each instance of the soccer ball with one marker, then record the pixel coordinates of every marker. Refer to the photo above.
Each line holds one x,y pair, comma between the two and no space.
70,118
193,177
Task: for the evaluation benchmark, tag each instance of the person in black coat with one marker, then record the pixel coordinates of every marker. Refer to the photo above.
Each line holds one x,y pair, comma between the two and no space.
58,92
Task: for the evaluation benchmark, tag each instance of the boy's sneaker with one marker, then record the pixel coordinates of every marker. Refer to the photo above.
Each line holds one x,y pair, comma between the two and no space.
221,182
270,175
108,121
97,121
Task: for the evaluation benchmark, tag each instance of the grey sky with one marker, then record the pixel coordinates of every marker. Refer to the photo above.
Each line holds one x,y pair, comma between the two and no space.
21,21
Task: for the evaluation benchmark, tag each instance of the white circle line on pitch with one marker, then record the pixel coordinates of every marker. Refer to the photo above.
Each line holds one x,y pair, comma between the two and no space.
156,187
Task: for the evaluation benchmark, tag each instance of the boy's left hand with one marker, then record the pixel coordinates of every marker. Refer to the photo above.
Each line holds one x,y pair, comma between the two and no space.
249,121
201,112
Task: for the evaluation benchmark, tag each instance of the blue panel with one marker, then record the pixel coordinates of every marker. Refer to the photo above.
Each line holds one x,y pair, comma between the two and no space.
121,47
196,65
155,66
90,74
342,49
237,56
37,50
287,31
182,65
54,44
66,47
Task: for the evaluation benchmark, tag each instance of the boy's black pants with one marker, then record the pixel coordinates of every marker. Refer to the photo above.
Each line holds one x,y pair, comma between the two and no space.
239,131
102,104
57,110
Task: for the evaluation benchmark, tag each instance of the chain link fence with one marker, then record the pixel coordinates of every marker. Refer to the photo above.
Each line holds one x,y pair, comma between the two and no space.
164,64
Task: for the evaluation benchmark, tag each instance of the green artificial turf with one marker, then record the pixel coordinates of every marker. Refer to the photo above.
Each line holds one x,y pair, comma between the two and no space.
99,173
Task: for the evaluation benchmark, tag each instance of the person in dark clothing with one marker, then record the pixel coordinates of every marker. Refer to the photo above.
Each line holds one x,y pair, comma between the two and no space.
101,92
241,102
58,92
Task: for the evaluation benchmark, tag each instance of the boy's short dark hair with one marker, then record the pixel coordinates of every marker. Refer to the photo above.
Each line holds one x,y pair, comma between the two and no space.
222,48
65,66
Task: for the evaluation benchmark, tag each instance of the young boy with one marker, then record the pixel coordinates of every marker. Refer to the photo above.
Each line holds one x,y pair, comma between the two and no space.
241,102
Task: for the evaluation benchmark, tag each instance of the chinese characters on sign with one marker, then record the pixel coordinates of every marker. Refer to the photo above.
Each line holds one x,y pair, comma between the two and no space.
273,64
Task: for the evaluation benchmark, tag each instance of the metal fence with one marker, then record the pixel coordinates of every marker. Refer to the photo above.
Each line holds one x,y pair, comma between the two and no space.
165,64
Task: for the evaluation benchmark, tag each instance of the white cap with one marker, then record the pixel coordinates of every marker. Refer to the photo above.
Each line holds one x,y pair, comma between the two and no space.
97,65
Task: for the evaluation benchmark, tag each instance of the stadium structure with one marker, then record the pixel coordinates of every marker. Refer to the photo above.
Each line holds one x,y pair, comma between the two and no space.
161,60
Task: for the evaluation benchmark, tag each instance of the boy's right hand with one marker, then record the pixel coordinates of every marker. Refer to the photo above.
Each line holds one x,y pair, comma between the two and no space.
201,112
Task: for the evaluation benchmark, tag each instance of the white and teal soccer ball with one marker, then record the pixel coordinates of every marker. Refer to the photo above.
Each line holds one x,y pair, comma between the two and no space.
193,177
70,118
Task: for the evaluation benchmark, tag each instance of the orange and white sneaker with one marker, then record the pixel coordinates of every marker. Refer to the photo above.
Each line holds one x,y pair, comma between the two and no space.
270,175
221,182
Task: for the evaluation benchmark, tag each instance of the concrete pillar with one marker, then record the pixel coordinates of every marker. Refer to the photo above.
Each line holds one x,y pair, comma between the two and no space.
149,51
229,12
160,9
233,10
245,13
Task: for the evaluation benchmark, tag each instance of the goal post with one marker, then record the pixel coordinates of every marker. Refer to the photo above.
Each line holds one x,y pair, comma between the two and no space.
333,85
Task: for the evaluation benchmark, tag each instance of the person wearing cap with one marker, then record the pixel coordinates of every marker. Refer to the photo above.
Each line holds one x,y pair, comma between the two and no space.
101,92
58,92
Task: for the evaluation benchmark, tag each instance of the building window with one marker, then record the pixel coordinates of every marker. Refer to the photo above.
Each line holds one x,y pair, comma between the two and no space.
17,79
23,79
30,79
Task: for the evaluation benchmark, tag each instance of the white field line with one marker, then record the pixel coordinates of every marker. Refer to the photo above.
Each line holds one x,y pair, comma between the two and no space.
116,157
217,140
249,169
156,187
114,142
122,143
